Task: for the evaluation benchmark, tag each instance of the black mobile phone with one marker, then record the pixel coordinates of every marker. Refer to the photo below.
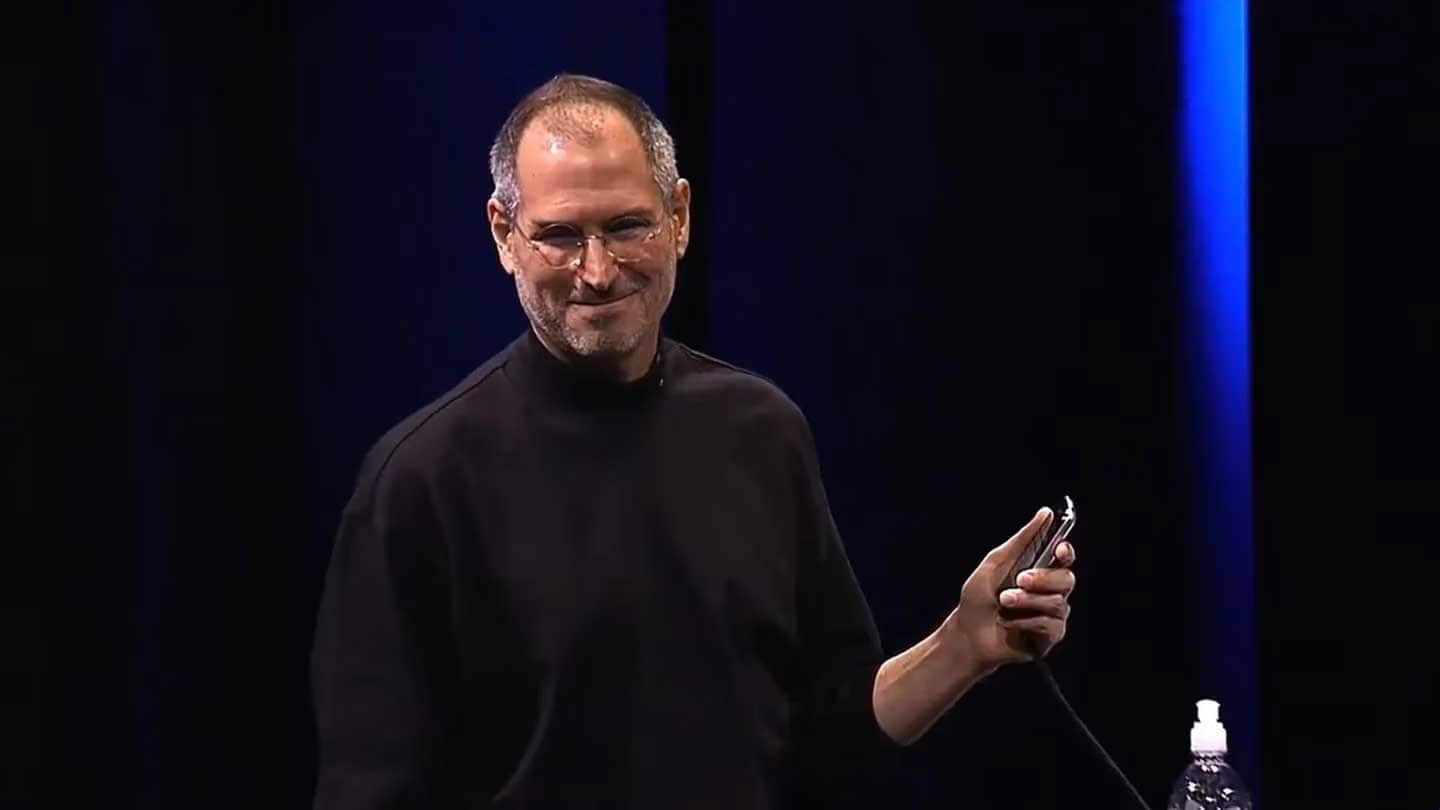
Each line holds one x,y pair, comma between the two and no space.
1040,551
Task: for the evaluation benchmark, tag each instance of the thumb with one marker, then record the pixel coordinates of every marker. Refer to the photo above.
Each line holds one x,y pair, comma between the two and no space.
1005,554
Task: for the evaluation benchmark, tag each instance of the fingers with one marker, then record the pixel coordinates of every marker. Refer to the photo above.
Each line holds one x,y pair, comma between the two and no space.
1065,555
1047,580
1050,630
1020,603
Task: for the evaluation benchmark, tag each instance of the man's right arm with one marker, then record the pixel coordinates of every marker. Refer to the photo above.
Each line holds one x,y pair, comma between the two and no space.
381,666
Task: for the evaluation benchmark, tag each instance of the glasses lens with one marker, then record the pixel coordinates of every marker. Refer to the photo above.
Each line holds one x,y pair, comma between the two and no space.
558,247
632,243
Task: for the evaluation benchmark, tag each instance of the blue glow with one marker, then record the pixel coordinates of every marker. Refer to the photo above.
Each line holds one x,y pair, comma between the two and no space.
1214,135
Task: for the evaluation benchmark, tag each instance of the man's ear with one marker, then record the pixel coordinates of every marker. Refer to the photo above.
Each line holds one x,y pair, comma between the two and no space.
500,227
681,211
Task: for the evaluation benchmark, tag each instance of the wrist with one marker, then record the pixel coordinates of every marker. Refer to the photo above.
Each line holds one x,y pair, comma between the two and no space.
957,643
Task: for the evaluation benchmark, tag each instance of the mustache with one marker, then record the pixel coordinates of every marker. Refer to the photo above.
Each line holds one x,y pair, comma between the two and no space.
622,287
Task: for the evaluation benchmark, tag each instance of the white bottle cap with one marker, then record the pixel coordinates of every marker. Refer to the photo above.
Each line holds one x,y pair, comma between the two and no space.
1207,736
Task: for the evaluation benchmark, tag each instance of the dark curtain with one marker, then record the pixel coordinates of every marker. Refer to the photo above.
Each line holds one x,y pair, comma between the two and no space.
1346,145
253,238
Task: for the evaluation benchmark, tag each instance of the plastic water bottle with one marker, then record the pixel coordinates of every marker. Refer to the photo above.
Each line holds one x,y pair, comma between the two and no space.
1209,783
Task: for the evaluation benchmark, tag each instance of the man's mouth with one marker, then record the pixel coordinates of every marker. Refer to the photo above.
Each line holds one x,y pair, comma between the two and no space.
600,302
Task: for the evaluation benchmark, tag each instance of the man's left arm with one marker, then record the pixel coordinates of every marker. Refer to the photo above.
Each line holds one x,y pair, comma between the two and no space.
915,688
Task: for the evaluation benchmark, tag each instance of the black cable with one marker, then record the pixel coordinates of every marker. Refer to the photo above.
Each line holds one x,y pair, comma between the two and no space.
1055,687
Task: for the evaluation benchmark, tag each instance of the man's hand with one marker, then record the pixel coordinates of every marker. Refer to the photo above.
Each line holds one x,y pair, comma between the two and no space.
913,689
1021,621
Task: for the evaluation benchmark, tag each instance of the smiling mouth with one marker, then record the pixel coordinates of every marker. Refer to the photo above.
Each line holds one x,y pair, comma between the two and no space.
606,302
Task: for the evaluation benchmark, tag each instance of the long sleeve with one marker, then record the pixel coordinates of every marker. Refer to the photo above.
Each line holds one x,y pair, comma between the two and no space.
840,735
381,666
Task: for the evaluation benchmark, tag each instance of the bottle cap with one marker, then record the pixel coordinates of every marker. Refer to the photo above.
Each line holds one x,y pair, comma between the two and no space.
1207,736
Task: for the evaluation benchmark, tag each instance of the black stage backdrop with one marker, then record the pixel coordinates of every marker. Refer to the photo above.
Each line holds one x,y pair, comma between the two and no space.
253,238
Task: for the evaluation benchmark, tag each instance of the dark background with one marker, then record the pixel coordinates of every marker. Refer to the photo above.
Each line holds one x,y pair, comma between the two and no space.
253,238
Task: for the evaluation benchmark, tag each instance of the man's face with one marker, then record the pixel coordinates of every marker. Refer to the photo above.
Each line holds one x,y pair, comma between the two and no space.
592,182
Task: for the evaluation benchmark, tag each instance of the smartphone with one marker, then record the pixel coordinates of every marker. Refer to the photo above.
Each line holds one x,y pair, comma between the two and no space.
1040,553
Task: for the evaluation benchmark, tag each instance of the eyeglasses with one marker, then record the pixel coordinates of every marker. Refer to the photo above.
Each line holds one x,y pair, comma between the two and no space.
628,240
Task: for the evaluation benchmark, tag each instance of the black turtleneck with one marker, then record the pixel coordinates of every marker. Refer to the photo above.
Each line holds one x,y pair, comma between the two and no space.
552,591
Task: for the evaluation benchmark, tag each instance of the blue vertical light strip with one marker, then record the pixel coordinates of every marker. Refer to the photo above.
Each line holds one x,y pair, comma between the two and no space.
1214,135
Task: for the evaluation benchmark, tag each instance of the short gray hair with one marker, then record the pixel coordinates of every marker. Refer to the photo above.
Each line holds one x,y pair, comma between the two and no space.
567,92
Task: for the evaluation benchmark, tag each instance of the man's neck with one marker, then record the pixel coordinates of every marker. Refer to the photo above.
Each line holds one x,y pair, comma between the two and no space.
618,368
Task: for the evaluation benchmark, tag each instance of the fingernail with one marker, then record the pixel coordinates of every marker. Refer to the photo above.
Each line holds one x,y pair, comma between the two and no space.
1025,580
1009,598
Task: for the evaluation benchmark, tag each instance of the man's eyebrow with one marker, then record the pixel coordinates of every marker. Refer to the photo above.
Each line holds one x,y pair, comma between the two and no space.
636,212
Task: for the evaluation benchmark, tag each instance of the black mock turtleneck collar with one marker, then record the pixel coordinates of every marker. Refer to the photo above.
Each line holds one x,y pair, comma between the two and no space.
536,366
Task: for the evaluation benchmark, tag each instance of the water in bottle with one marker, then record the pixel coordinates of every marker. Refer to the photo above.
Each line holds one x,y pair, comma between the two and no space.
1209,783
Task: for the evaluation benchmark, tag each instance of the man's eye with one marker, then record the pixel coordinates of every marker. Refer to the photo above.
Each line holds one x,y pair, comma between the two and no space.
560,237
629,228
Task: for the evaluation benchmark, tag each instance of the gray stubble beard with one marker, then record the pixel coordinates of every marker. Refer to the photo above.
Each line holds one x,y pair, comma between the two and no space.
597,344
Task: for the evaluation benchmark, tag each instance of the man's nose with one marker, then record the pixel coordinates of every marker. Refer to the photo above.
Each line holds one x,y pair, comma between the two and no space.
597,268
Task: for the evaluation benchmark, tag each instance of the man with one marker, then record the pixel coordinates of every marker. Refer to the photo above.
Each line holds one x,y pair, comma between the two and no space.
602,571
